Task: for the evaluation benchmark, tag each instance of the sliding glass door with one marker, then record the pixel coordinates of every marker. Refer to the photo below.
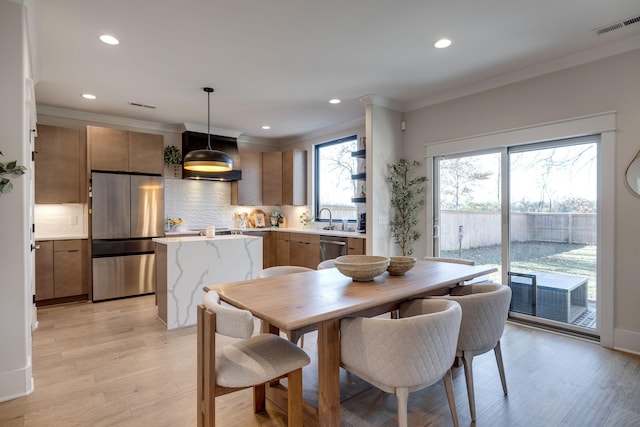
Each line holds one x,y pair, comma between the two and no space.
541,236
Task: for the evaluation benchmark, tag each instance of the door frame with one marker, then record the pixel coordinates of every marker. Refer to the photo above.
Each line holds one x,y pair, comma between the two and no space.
601,123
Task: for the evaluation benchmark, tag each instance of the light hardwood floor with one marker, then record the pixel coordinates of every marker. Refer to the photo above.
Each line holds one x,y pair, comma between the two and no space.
114,364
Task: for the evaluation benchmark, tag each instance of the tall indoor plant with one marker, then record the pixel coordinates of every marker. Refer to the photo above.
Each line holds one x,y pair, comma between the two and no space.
407,198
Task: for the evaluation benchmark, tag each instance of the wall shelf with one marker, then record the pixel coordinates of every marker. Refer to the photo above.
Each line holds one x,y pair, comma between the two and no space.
358,199
362,175
360,154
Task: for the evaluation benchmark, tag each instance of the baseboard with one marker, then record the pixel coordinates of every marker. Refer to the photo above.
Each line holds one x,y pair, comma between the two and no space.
627,341
17,383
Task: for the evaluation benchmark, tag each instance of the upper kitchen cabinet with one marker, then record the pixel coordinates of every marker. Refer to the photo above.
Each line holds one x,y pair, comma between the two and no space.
116,150
248,191
284,178
60,165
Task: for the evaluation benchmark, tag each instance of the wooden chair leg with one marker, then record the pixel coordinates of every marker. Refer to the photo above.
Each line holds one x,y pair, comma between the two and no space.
294,398
448,386
402,396
259,398
206,368
498,353
467,360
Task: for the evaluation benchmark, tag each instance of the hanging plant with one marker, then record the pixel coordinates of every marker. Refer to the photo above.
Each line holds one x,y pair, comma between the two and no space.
407,198
172,156
7,169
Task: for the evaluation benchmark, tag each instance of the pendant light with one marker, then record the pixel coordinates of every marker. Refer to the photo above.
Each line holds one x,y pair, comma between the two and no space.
208,160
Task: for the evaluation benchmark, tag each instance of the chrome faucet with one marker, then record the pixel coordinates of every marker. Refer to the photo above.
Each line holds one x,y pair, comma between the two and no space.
331,226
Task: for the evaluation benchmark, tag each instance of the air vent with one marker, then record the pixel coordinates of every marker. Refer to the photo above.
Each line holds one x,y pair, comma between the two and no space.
137,104
616,26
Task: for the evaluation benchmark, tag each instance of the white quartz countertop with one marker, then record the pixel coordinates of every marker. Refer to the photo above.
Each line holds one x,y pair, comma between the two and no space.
195,239
320,231
40,237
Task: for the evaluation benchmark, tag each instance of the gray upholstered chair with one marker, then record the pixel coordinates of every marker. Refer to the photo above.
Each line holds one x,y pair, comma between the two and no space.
485,308
280,270
404,355
252,362
328,263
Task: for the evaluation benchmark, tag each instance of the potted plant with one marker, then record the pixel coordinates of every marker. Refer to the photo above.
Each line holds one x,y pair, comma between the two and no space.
7,169
173,158
407,198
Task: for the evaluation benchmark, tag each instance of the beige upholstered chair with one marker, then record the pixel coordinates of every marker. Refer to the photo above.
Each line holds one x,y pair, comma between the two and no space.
279,271
329,263
485,308
404,355
252,362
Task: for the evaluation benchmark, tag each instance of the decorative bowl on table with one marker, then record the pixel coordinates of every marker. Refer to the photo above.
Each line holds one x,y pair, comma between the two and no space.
399,265
361,268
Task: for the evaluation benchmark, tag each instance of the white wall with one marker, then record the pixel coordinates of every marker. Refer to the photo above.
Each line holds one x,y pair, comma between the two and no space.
15,276
611,84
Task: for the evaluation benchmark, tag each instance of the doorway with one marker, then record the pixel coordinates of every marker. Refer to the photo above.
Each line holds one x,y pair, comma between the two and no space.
530,211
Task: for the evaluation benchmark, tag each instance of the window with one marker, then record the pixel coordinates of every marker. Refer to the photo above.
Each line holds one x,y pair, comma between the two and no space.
334,187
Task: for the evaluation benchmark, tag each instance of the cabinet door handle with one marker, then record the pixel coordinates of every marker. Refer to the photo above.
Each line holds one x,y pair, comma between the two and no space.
35,247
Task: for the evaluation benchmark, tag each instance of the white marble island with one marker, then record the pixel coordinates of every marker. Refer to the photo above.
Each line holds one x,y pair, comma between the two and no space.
186,264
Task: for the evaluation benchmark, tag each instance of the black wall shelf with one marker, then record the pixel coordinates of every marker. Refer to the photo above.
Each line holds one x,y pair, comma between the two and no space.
359,176
360,153
358,199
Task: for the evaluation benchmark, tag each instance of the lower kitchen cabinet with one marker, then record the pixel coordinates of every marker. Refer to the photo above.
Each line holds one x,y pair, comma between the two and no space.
282,248
304,250
356,246
61,270
268,247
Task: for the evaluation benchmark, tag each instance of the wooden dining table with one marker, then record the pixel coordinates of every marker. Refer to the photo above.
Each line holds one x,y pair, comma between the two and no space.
298,302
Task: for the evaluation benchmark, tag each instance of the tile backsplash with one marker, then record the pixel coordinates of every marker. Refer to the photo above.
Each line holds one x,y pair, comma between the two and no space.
68,220
199,203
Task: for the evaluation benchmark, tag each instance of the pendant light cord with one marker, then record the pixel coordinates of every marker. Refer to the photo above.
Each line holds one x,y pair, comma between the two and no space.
209,90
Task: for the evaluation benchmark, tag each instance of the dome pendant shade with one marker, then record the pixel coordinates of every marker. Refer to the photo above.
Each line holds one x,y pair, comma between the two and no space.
208,160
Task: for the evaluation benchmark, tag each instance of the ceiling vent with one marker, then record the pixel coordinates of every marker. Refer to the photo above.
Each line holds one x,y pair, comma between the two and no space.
137,104
617,25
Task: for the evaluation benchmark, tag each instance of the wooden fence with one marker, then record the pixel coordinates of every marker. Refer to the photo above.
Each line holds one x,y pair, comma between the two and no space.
482,228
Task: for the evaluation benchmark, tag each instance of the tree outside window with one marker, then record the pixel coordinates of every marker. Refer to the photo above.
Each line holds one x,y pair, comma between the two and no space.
334,187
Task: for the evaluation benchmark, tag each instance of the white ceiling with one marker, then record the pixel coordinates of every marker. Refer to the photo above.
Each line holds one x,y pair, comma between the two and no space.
278,62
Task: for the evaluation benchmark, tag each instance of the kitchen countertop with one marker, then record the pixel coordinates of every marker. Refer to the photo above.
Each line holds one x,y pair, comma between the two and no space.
191,239
338,233
40,238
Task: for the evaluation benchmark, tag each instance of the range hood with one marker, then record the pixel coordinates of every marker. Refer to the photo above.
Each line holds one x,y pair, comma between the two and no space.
198,141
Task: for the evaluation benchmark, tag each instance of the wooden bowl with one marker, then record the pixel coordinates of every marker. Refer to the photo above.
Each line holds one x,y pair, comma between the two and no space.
361,268
399,265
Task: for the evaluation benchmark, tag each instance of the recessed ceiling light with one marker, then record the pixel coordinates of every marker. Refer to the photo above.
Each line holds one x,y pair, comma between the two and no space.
266,127
88,96
334,101
106,38
442,43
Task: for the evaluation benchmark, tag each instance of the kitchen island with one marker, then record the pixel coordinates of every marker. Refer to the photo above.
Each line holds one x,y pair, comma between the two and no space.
184,265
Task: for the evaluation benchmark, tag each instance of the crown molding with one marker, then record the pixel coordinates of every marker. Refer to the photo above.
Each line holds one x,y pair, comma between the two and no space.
214,130
382,101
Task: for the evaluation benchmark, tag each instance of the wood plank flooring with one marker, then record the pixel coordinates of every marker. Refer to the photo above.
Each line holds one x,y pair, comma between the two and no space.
114,364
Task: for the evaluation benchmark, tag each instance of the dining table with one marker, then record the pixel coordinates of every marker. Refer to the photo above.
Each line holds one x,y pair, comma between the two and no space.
320,298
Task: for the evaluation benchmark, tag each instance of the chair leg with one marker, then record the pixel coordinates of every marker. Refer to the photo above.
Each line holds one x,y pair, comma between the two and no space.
206,406
259,398
402,395
498,353
448,386
467,361
294,397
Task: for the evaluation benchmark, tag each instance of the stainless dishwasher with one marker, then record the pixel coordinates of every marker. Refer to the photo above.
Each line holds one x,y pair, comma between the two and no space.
331,247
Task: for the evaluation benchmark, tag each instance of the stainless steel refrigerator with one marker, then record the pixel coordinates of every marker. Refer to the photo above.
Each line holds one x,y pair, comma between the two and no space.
126,212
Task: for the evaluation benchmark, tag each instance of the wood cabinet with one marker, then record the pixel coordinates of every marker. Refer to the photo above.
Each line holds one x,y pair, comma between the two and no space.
268,246
304,250
356,246
282,248
60,269
248,191
60,165
116,150
284,178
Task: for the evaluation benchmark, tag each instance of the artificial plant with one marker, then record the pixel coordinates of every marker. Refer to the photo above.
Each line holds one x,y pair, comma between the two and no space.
7,169
407,198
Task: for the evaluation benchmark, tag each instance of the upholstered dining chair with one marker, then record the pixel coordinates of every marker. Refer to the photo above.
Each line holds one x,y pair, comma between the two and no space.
485,307
252,362
328,263
407,354
280,270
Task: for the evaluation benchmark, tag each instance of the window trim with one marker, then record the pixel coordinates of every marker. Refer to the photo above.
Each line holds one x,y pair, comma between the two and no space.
316,174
